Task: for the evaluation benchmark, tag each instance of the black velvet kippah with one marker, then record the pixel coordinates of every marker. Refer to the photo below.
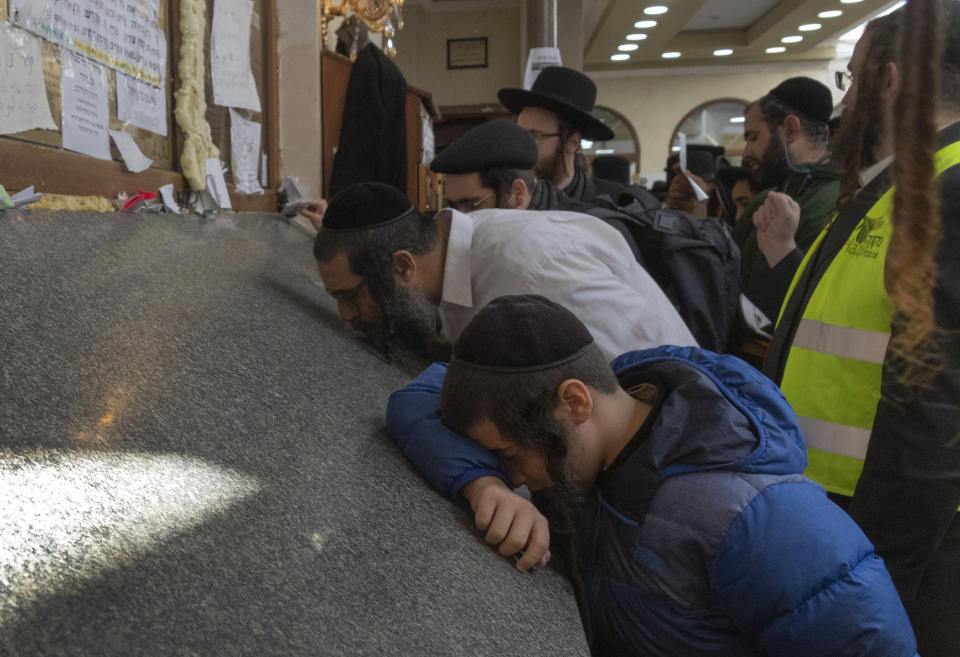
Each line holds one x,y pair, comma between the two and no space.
495,143
808,97
521,333
366,205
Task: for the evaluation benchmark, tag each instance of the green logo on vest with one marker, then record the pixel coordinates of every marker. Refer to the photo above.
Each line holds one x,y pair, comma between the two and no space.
865,243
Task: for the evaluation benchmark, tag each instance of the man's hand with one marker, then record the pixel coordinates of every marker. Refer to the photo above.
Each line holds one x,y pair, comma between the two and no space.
509,521
314,211
681,196
776,221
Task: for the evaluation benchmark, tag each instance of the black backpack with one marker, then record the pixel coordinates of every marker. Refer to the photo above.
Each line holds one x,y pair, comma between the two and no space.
695,262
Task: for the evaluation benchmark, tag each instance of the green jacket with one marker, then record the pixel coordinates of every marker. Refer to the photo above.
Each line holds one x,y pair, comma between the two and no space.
816,196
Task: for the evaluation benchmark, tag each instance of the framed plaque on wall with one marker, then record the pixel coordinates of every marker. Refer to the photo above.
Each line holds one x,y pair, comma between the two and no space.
467,53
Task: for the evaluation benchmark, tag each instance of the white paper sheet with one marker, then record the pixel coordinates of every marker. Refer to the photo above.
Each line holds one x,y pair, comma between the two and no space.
245,151
133,157
169,202
537,60
121,34
86,118
217,184
141,104
23,94
682,138
25,196
233,84
428,144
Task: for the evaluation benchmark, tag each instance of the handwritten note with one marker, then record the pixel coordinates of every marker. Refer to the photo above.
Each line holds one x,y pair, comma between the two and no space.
245,151
122,34
23,95
86,117
141,104
233,84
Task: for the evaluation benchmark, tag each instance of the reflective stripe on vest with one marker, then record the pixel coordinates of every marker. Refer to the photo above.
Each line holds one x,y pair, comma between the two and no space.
869,346
835,365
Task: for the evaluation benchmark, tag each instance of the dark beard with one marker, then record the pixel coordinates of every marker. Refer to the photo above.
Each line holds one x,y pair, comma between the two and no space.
553,169
772,169
854,144
561,504
410,324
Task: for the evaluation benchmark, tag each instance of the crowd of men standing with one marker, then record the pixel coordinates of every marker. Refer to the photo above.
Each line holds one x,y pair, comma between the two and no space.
851,246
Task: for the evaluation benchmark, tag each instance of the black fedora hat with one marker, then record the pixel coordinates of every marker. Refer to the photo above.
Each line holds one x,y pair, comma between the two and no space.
569,93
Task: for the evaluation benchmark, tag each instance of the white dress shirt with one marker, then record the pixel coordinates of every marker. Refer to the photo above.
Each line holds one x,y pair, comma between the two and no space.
573,259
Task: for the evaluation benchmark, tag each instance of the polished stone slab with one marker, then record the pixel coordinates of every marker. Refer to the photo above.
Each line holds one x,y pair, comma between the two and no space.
193,461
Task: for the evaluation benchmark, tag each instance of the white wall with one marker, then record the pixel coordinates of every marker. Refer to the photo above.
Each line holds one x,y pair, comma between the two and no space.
301,121
422,52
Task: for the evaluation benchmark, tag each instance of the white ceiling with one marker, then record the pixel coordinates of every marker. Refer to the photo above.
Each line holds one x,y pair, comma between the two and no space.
727,15
697,28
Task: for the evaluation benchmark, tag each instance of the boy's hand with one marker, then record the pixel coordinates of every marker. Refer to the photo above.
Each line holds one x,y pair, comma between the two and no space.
509,521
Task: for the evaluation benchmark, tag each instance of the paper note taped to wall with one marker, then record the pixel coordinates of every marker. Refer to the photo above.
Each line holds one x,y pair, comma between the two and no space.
23,94
86,117
245,151
122,34
141,104
233,84
537,60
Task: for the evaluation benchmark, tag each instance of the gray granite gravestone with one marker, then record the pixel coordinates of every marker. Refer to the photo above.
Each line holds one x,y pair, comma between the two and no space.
193,462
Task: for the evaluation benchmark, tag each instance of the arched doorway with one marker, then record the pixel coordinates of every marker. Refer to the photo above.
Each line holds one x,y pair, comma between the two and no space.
716,123
624,144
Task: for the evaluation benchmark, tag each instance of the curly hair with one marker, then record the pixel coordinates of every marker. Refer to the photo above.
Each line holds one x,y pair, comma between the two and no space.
910,275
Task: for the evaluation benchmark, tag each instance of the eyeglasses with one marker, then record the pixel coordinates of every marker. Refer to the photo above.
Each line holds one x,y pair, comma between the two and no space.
348,296
843,79
540,136
466,205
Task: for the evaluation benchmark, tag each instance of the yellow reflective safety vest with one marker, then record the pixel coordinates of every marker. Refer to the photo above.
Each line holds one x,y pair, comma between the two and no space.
834,368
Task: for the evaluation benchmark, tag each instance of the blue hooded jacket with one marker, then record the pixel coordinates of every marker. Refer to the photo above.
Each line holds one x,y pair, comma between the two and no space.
703,537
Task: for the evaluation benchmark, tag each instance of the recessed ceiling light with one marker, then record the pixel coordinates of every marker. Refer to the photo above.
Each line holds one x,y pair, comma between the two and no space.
673,54
850,2
639,36
833,13
655,10
775,49
737,119
810,27
791,39
619,57
627,47
645,25
723,52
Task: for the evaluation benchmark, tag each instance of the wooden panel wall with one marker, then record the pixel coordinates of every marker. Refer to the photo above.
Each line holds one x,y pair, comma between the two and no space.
36,156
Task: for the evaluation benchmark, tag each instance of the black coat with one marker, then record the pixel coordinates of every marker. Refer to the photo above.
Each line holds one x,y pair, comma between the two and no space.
373,135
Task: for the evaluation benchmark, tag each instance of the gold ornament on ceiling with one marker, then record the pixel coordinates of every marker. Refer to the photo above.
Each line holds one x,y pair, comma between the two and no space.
377,15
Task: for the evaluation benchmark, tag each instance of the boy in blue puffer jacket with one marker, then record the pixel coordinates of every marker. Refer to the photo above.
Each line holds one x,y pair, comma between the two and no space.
679,473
